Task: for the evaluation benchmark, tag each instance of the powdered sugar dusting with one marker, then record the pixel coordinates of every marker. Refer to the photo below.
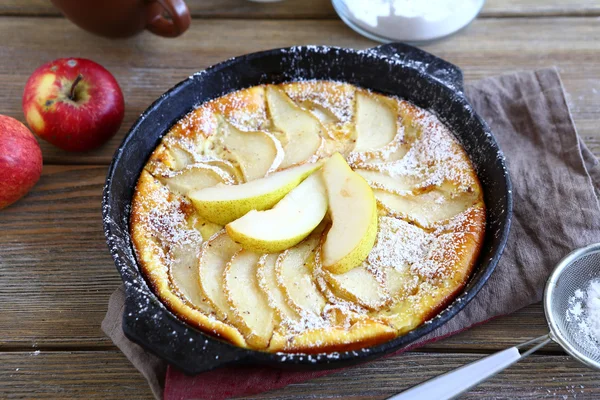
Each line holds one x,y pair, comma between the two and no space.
308,321
337,98
433,159
169,221
584,312
399,244
402,245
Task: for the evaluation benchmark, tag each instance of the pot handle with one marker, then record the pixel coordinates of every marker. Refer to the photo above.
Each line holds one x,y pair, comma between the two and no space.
447,73
164,337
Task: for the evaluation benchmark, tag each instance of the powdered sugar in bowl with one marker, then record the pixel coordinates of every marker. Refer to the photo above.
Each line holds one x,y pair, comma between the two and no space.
407,20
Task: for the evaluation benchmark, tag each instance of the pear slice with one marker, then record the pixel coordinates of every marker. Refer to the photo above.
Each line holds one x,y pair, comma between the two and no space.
267,281
302,131
252,314
286,224
400,282
296,278
358,286
353,211
376,121
397,184
324,115
256,153
206,228
222,204
214,256
429,208
195,177
184,277
180,158
168,157
228,167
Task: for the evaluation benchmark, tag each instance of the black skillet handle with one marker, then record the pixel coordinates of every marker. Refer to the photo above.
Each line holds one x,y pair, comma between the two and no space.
186,349
447,73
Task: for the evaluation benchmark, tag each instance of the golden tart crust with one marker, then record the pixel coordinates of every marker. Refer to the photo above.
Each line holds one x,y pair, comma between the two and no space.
430,205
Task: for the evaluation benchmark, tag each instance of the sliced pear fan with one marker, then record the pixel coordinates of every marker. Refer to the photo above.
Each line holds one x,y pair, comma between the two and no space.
353,212
256,153
317,217
252,314
214,256
222,204
296,279
195,177
301,130
286,224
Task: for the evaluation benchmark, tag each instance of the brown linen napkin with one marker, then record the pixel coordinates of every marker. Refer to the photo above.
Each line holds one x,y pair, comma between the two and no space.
556,182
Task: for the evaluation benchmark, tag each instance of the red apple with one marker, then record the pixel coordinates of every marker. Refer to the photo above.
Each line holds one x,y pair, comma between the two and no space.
73,103
20,161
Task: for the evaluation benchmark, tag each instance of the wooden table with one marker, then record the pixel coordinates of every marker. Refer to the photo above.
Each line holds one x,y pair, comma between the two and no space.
55,271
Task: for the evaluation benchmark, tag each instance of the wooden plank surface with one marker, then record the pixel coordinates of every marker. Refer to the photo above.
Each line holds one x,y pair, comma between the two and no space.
539,8
56,273
108,375
144,66
322,9
55,270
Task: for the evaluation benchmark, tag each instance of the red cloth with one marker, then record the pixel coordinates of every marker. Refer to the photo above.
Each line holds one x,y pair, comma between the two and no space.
228,382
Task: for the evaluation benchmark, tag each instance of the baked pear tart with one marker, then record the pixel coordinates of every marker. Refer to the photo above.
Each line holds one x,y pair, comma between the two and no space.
308,217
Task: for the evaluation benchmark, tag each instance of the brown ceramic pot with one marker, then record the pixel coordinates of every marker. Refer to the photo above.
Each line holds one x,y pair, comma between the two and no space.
123,18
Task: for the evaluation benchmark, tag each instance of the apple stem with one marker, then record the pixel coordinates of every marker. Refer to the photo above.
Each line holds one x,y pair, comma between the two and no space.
75,82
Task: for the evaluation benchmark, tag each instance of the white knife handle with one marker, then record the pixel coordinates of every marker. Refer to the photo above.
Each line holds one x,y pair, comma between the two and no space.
454,383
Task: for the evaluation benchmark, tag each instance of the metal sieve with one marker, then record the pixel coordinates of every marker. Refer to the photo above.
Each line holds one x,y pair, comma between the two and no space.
573,272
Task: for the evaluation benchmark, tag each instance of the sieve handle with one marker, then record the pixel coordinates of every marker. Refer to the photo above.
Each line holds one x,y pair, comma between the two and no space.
454,383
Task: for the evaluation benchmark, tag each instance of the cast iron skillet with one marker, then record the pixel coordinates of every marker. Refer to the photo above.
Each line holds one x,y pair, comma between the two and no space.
393,69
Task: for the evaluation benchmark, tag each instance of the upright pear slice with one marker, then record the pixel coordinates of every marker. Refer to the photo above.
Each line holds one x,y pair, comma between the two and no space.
296,279
196,177
252,314
286,224
214,256
376,121
353,211
302,131
222,204
256,153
